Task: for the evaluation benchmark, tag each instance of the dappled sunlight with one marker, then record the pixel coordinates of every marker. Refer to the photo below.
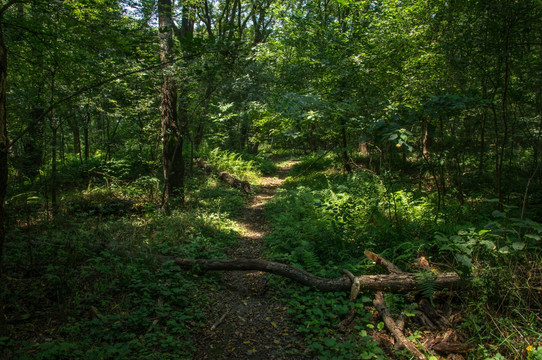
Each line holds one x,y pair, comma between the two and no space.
152,153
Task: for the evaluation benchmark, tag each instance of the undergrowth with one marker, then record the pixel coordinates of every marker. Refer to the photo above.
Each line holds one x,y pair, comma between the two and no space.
89,284
95,282
323,221
244,166
317,315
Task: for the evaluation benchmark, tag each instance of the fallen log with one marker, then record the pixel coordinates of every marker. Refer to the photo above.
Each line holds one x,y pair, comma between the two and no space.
236,183
225,177
208,168
397,283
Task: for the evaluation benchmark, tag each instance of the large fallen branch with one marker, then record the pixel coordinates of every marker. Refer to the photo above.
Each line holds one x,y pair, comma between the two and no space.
225,177
394,283
380,305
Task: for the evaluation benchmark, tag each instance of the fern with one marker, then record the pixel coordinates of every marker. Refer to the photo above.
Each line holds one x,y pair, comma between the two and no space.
310,259
427,282
234,164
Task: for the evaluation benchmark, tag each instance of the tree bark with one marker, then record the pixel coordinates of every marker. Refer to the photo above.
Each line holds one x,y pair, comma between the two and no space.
383,263
54,198
172,141
33,148
394,283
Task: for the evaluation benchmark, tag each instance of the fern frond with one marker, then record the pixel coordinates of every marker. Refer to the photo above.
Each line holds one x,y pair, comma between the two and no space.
427,282
310,259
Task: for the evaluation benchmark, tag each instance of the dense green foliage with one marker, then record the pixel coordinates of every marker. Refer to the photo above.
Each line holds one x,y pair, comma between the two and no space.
90,286
323,221
416,125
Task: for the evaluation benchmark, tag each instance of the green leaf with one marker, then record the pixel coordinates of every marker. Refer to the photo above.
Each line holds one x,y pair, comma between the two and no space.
490,245
533,236
440,238
464,260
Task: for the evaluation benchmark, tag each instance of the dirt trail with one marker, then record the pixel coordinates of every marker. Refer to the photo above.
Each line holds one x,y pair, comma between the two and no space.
254,322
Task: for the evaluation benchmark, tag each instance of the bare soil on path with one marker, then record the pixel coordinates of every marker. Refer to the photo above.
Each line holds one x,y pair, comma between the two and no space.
247,320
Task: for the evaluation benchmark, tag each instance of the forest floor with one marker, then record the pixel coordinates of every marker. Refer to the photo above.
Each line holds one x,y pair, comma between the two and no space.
247,320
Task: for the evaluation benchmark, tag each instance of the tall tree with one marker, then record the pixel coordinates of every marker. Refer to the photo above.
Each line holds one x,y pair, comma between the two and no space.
3,129
172,140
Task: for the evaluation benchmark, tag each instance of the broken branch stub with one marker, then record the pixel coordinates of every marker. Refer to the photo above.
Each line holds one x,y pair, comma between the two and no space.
383,263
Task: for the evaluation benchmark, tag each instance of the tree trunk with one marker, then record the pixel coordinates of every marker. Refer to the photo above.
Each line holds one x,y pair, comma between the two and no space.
363,148
200,128
32,159
184,115
500,151
85,134
4,143
54,132
74,124
62,144
54,201
346,164
427,141
172,141
482,141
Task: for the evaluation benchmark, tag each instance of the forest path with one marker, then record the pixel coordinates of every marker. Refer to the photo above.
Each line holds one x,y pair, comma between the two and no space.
248,321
